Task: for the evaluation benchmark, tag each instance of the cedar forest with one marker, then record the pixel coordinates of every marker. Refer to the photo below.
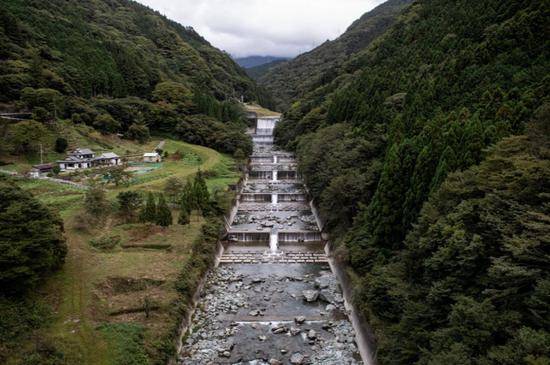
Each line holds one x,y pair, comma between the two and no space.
428,159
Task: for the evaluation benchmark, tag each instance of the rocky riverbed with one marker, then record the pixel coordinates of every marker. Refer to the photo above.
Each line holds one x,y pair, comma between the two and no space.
271,314
273,300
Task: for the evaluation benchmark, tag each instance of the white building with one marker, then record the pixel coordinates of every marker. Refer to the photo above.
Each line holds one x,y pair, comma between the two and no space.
151,157
107,159
41,170
85,158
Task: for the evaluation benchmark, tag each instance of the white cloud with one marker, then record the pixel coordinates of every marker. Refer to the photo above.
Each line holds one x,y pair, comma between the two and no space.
265,27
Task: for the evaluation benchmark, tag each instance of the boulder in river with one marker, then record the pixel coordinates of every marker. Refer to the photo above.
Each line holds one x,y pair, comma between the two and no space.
297,358
310,295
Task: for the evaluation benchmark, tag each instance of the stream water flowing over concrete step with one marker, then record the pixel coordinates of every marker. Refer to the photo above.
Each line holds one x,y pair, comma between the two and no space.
273,299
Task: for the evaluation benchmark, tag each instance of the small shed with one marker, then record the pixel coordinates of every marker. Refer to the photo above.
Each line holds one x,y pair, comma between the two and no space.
41,170
151,157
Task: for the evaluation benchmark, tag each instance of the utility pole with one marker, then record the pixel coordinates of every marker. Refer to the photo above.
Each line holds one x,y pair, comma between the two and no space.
41,154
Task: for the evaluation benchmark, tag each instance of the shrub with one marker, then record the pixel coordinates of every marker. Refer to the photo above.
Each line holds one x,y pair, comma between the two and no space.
105,243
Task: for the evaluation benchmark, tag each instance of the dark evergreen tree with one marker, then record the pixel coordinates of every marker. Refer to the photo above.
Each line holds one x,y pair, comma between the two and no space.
200,191
61,145
149,211
164,214
31,240
95,201
185,208
129,203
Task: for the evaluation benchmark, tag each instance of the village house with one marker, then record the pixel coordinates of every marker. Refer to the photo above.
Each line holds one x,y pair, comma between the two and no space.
85,158
151,157
41,170
107,159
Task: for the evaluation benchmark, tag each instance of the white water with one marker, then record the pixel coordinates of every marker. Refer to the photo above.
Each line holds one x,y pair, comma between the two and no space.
273,242
266,123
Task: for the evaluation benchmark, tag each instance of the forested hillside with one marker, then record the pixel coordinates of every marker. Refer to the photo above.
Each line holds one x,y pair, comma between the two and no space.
290,80
115,63
254,61
257,72
430,149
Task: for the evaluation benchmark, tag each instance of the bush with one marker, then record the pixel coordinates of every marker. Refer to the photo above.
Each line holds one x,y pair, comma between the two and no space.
19,318
105,243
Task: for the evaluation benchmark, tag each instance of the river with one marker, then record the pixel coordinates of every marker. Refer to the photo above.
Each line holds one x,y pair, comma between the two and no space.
273,298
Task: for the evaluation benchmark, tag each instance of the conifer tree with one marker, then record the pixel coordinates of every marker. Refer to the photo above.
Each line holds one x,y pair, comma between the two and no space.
95,201
149,212
200,191
164,215
185,210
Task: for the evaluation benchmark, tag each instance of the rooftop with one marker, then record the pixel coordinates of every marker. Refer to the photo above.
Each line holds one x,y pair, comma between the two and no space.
108,155
82,151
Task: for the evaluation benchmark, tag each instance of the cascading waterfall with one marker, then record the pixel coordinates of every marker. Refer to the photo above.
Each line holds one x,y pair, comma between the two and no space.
260,175
308,236
256,198
250,236
273,242
291,198
265,139
286,175
266,124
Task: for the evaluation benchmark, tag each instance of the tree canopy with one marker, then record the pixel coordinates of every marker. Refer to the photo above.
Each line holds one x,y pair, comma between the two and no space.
31,239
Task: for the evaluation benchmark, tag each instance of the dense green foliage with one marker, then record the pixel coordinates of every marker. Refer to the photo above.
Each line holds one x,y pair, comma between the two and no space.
129,203
164,215
20,317
288,81
149,210
122,68
117,48
96,204
450,267
257,72
472,280
31,240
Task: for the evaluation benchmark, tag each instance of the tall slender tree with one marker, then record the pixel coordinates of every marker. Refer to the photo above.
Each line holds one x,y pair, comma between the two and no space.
201,194
164,215
149,211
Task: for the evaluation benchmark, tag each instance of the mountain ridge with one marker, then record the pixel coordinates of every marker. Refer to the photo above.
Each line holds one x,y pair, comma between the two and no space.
292,79
255,61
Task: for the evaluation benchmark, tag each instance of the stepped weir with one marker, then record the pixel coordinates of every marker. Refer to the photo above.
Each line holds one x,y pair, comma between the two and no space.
273,298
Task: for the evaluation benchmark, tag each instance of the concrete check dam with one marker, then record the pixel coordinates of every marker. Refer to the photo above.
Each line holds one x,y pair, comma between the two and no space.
273,298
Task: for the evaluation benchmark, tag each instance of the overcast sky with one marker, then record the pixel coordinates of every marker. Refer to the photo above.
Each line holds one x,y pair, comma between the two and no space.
265,27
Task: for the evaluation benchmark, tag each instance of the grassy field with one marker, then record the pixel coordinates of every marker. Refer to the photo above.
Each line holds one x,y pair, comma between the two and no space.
260,111
98,298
